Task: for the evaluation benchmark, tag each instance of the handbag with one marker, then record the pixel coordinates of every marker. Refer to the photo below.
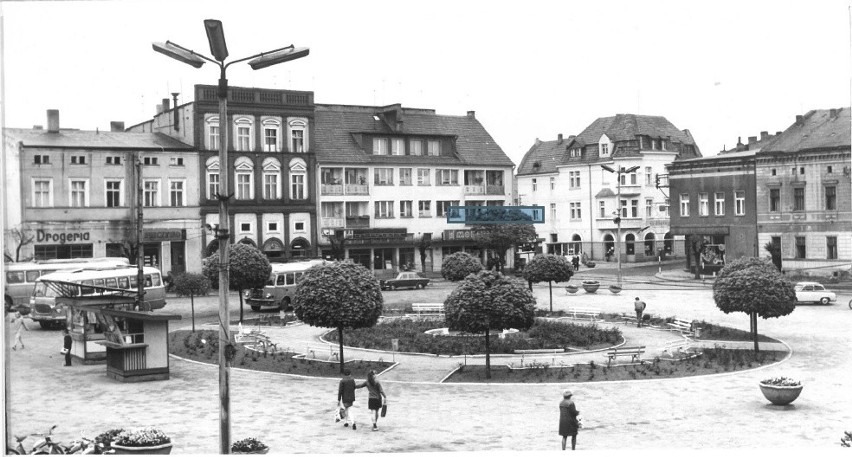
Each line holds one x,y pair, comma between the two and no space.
63,351
384,409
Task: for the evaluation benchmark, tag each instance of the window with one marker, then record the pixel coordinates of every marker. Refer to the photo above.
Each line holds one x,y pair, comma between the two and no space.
575,210
271,129
573,179
604,149
622,205
774,200
405,176
424,208
801,249
113,160
633,179
798,199
79,195
553,211
634,208
113,193
380,146
602,208
245,227
150,161
405,208
655,144
415,147
424,177
212,178
719,203
271,178
433,147
151,192
828,169
739,203
446,177
42,193
272,227
243,134
575,152
176,193
830,198
384,209
397,146
534,185
831,247
383,176
649,207
78,160
299,135
244,179
684,205
552,183
801,170
176,161
443,207
703,204
45,159
212,133
298,179
773,172
648,177
299,227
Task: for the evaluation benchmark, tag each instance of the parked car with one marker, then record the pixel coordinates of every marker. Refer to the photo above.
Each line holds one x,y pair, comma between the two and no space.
814,292
404,279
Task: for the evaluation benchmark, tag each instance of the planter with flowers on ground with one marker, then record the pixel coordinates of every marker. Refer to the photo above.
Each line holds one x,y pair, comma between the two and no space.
144,440
249,446
781,391
591,286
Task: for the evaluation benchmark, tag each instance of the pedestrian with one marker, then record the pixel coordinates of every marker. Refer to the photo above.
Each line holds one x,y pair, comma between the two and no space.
18,325
568,424
609,253
66,347
377,396
639,307
346,397
576,262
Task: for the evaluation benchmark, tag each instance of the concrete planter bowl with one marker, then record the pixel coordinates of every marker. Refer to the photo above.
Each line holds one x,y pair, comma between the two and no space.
572,289
591,286
615,288
148,450
780,395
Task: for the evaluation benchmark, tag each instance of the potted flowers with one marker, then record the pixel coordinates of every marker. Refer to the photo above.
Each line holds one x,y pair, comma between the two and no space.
145,440
249,446
591,286
781,390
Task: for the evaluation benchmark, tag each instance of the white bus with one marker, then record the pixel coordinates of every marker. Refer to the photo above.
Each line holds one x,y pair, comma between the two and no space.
50,310
280,287
21,276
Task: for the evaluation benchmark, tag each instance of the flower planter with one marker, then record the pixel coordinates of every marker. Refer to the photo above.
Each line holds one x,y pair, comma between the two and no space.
259,451
591,287
780,395
572,289
160,449
615,289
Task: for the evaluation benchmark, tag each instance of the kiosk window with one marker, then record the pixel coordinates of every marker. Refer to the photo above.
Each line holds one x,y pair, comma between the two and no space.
86,290
33,275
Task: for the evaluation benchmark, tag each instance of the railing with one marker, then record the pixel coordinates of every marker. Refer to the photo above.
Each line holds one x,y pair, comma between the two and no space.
331,189
474,190
333,222
495,190
357,221
357,189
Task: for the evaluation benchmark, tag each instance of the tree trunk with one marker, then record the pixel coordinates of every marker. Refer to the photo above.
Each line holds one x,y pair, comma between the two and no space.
487,356
192,307
550,287
754,323
241,305
340,338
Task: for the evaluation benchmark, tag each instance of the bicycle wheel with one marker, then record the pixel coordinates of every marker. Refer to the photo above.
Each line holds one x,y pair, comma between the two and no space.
10,451
850,304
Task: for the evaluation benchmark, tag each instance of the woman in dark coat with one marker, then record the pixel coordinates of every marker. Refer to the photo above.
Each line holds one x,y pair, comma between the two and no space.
568,420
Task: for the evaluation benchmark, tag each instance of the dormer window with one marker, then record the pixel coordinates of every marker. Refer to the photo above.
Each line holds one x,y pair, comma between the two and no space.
575,152
604,149
605,146
380,146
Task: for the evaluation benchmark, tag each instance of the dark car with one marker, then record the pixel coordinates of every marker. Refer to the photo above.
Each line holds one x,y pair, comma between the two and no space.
405,279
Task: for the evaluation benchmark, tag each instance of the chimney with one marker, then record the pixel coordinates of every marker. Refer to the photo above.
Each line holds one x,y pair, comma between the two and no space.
471,114
571,137
116,126
778,132
800,120
166,104
177,120
752,139
739,141
53,120
764,136
559,141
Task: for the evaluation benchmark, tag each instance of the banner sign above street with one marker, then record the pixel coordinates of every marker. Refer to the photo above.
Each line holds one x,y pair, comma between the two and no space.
495,215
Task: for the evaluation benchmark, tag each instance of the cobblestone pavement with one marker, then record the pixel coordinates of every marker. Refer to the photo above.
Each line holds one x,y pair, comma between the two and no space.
294,415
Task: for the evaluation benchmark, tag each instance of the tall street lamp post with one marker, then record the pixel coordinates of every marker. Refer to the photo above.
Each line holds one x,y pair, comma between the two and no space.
219,50
618,173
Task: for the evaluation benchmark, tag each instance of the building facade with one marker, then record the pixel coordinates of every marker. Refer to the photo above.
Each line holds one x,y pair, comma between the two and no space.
804,193
386,176
74,194
582,198
271,167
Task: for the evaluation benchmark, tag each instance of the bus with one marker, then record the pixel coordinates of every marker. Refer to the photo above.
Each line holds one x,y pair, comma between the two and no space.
50,310
21,276
280,288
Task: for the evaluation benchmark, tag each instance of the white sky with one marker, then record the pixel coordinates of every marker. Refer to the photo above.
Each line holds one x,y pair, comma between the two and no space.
530,69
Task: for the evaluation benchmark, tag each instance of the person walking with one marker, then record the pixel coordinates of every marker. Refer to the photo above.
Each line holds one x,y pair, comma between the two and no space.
66,347
639,307
18,324
576,262
377,396
346,397
568,424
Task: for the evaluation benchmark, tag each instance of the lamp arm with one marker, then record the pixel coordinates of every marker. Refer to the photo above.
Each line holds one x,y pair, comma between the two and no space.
258,55
192,52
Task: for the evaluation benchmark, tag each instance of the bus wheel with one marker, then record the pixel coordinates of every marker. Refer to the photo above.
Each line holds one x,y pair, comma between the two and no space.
255,308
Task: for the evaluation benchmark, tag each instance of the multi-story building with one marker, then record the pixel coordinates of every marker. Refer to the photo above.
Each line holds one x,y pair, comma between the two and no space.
271,165
581,197
387,176
804,193
74,193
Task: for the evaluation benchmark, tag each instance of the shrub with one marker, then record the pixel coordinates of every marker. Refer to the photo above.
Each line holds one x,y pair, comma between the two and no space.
459,265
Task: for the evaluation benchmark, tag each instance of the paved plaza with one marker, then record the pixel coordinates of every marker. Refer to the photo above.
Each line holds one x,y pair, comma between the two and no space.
294,414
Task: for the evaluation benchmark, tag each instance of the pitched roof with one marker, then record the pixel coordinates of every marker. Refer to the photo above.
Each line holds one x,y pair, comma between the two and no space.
95,139
543,157
338,128
818,129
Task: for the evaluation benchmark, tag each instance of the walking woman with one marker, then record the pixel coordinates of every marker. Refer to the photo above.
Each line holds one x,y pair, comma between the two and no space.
377,395
568,420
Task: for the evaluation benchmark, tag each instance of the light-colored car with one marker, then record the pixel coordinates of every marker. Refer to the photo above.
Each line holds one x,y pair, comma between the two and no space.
405,279
814,292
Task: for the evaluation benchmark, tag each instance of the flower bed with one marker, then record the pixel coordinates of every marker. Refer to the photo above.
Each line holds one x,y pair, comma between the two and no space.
249,446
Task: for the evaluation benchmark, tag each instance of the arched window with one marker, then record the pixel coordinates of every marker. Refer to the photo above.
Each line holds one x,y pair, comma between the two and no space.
212,167
243,179
243,134
271,134
649,244
630,240
298,179
298,134
271,178
211,126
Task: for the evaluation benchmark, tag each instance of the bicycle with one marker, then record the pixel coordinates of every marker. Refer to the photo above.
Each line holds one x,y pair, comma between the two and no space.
42,447
85,445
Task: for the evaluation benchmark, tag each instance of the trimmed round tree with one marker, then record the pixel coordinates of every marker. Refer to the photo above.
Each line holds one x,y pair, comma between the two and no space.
551,268
457,266
489,301
755,287
248,268
338,295
191,284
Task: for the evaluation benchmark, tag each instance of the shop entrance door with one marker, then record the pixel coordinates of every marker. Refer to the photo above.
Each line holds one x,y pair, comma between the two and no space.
178,257
151,255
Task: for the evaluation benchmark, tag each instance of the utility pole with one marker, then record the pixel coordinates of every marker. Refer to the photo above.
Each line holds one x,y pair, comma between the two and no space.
140,259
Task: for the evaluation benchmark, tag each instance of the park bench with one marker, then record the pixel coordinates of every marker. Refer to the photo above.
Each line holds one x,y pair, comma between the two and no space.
682,345
681,325
257,338
589,313
428,308
635,352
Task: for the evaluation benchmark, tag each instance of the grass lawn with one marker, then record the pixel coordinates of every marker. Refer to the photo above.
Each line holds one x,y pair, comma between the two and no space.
710,361
189,345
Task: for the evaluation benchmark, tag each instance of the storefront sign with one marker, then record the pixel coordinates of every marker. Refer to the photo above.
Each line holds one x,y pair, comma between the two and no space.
153,236
61,238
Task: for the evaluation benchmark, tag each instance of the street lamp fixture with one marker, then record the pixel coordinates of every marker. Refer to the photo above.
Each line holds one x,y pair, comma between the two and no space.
219,50
617,219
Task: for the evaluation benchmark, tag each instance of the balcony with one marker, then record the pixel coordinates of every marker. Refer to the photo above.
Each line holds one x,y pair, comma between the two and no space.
495,190
357,189
357,221
333,222
484,190
474,190
331,189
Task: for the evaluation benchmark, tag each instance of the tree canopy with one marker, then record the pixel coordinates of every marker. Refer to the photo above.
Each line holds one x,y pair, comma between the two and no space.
501,237
191,285
248,268
457,266
550,268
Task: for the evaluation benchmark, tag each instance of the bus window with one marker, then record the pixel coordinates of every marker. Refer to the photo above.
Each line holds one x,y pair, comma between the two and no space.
123,283
40,290
86,290
148,281
14,277
99,282
282,280
33,275
291,279
110,282
156,280
134,281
